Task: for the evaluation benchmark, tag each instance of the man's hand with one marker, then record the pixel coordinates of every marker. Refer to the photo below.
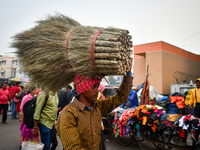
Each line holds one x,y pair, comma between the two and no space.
35,131
190,106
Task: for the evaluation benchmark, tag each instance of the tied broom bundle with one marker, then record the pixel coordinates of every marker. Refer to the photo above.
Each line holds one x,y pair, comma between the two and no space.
58,47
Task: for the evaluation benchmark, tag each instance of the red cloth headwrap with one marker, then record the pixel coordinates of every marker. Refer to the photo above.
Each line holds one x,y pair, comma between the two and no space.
83,84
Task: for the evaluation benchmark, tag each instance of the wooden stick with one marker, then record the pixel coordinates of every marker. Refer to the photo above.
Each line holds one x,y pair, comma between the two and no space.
104,38
105,62
101,49
107,67
107,43
106,55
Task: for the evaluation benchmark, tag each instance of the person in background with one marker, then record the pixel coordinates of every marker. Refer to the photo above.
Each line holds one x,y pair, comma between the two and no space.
187,101
26,90
26,134
4,98
79,123
63,97
101,89
68,88
132,99
9,87
195,98
45,120
15,90
72,94
19,97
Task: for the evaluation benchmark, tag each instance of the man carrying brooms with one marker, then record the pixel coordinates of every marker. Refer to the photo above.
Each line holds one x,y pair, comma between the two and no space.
72,49
79,124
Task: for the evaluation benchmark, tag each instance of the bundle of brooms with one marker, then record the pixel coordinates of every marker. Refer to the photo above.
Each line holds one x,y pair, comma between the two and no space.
58,47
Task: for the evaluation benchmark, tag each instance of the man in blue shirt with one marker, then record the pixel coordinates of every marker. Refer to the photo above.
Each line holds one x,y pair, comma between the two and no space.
133,99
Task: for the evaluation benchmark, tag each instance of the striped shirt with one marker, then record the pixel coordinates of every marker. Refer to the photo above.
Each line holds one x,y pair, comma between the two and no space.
79,128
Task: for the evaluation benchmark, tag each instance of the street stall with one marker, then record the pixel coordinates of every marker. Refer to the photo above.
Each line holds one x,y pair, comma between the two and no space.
152,123
166,126
162,122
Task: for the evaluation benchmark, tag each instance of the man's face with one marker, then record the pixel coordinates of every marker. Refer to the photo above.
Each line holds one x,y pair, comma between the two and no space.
19,84
92,93
198,84
33,92
4,86
68,90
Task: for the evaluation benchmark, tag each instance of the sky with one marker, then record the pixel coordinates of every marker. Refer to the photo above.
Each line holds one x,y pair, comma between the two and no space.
176,22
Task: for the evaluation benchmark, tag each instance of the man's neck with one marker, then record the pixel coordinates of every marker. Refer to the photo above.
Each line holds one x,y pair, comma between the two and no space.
84,101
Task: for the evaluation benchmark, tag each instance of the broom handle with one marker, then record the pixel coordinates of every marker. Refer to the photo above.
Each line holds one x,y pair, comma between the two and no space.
93,48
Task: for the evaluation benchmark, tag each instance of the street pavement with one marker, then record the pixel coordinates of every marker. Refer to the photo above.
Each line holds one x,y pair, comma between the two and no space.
10,138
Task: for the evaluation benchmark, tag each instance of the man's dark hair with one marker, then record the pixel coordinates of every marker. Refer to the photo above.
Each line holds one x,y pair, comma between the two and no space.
31,89
22,87
10,85
3,83
69,87
17,83
197,81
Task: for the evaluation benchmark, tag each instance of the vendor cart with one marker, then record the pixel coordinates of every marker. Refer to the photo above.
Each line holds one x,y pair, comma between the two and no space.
167,141
162,141
165,135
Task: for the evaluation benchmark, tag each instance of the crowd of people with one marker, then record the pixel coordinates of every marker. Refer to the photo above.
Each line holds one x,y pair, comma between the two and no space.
72,114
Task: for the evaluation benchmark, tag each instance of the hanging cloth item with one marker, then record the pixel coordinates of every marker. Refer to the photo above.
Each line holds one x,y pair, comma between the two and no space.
145,94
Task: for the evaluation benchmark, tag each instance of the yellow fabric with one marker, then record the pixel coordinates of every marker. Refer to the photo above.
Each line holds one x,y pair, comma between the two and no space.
79,128
144,120
194,99
187,98
99,96
173,117
136,112
49,113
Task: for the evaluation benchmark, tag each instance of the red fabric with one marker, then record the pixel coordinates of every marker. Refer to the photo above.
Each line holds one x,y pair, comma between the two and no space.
15,90
16,100
83,84
181,133
37,91
18,106
145,94
4,96
9,89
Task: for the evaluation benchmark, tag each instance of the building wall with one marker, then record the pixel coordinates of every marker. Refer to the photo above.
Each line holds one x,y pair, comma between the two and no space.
154,60
7,66
166,63
173,63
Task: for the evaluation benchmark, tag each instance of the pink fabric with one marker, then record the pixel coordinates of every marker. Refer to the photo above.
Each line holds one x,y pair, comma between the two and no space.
101,88
83,84
25,99
26,134
4,94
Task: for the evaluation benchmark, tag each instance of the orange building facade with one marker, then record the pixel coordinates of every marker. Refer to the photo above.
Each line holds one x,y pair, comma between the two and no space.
168,65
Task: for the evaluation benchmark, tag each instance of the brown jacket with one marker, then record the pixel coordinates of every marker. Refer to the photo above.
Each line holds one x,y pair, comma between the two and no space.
79,128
